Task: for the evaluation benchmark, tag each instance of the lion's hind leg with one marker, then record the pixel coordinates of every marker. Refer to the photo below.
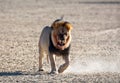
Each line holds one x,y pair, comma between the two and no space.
41,55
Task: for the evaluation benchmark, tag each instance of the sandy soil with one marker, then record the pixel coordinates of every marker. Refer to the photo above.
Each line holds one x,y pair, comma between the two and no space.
95,51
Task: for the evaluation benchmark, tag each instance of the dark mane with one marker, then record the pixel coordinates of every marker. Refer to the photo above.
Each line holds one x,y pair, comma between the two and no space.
58,52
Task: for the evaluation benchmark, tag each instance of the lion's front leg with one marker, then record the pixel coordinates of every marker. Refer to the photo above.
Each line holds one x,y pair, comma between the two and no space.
65,65
53,66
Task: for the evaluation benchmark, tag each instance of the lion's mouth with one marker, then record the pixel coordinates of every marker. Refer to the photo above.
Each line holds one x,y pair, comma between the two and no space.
60,45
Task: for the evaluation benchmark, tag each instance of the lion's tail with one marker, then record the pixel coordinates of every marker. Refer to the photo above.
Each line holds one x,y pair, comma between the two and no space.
60,19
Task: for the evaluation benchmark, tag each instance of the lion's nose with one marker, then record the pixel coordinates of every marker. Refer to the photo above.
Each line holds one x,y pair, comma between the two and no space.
62,37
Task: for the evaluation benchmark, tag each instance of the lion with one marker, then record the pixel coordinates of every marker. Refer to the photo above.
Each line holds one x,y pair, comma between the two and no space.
55,40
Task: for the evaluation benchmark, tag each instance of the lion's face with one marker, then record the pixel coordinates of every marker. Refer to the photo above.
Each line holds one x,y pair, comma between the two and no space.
61,34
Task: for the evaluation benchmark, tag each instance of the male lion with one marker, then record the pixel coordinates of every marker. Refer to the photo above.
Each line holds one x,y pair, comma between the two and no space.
55,40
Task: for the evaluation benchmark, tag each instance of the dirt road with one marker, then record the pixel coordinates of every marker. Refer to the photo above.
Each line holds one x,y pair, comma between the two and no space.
95,51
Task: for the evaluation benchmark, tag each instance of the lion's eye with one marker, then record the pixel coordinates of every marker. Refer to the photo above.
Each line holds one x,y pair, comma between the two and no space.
59,34
65,33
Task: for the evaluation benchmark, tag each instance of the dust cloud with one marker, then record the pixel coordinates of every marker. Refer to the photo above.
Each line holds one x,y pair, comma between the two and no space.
93,65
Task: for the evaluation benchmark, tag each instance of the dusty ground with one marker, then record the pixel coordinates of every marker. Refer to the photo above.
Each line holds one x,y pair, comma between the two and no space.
95,52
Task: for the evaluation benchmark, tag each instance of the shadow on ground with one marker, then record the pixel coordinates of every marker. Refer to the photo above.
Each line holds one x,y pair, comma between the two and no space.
18,73
11,73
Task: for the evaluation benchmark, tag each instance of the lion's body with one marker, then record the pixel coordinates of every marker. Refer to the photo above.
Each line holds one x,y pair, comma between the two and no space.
55,40
44,39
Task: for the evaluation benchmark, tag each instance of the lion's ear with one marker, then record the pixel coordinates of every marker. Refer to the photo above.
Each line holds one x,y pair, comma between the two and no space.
68,26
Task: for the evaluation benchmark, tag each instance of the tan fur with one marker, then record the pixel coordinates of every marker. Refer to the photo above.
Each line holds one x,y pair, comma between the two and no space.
57,24
57,27
54,40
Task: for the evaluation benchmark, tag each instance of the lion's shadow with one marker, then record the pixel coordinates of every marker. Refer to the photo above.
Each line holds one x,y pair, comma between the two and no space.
16,73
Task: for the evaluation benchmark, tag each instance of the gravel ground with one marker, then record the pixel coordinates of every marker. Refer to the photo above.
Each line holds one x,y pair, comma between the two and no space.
95,51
